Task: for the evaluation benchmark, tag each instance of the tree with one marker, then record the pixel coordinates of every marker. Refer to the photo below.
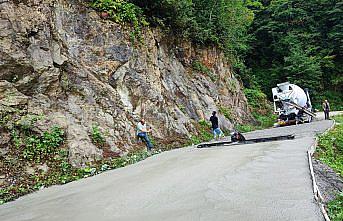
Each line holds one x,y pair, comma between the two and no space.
222,23
300,41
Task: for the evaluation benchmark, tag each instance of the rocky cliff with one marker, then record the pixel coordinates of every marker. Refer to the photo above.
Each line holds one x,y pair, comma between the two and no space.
61,61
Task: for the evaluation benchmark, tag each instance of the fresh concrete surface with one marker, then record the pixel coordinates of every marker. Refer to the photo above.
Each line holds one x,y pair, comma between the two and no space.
265,181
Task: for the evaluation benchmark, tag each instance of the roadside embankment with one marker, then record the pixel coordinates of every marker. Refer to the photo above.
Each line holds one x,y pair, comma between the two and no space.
328,169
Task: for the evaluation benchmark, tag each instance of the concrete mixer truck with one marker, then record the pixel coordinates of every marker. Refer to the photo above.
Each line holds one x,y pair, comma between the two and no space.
292,104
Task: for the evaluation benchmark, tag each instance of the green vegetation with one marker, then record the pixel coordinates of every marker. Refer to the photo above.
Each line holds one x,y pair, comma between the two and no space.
243,128
266,120
261,110
256,98
122,11
335,208
201,68
37,159
31,145
226,112
204,133
182,108
268,42
330,151
300,42
263,122
97,136
334,97
36,148
330,147
221,23
64,172
280,40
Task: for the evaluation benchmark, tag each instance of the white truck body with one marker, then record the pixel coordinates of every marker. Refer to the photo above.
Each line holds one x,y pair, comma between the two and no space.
290,102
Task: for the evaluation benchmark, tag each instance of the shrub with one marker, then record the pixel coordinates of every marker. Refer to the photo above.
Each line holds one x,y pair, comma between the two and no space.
200,67
244,128
255,98
261,110
266,120
37,148
335,208
122,11
204,133
221,23
97,136
335,99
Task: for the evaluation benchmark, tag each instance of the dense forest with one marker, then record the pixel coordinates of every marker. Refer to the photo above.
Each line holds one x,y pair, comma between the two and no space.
301,42
267,41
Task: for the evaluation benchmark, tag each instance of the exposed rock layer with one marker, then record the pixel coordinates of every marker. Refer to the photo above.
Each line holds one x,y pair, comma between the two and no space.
59,59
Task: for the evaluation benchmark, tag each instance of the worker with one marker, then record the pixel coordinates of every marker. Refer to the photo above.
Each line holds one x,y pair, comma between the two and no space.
326,109
217,133
237,137
299,117
142,133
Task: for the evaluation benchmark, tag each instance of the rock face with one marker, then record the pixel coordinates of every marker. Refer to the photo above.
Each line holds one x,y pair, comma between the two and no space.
59,59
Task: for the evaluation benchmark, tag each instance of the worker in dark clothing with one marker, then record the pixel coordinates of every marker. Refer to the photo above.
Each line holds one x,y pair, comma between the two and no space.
326,109
237,137
215,126
299,117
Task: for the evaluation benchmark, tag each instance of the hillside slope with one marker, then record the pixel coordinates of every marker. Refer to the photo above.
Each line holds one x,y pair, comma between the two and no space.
64,65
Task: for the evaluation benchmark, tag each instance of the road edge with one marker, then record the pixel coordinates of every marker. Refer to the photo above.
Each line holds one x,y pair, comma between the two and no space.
316,192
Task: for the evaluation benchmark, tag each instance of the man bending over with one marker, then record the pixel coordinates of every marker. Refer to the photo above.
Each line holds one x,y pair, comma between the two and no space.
142,133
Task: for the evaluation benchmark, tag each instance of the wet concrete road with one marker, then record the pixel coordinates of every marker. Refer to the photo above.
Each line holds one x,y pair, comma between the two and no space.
265,181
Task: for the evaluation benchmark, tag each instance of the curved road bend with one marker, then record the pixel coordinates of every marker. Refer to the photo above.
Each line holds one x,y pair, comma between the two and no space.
265,181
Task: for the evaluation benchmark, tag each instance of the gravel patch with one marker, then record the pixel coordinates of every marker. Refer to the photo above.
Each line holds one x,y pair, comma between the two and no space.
329,183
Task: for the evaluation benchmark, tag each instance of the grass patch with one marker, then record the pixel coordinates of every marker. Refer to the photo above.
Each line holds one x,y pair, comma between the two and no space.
36,160
261,110
244,128
330,152
204,133
335,208
97,136
330,147
265,120
256,98
39,160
